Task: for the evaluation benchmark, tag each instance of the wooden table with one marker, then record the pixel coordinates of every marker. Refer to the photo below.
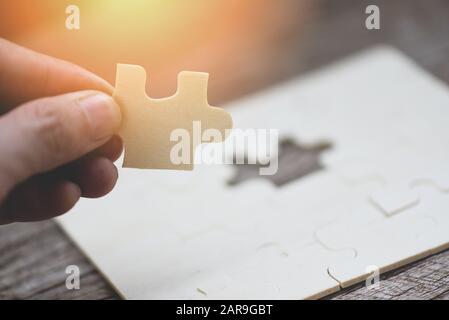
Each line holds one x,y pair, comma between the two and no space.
33,257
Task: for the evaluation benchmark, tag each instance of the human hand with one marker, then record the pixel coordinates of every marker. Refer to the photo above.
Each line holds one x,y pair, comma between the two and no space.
57,143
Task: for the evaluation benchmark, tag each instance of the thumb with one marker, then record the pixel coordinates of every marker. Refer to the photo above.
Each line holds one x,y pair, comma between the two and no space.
46,133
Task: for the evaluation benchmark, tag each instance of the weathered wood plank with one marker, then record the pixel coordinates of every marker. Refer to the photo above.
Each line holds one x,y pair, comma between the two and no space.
33,260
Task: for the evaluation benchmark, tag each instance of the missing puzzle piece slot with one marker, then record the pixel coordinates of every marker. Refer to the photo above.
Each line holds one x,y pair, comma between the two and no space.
295,161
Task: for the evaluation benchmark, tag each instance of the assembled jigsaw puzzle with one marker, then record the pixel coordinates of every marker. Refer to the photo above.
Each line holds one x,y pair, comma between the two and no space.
375,198
148,125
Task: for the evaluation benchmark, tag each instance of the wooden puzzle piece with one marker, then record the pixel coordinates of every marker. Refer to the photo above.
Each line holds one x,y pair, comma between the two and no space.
163,133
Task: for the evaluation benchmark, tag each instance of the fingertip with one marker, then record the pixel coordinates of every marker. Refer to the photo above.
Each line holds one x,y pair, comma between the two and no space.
107,175
41,198
69,194
111,149
116,148
96,177
102,112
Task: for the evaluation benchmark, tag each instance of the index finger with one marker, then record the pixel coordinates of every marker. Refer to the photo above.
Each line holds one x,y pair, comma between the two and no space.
27,75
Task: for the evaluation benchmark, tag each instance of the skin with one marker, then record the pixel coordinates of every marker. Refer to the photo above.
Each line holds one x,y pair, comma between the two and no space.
57,135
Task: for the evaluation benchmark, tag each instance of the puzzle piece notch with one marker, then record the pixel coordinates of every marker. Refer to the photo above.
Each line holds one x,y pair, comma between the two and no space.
149,125
191,86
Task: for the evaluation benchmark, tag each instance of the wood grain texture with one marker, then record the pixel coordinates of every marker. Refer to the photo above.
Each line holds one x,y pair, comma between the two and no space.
425,279
33,260
33,257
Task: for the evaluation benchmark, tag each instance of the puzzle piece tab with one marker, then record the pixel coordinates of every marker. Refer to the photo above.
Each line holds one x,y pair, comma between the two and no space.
152,129
395,199
389,243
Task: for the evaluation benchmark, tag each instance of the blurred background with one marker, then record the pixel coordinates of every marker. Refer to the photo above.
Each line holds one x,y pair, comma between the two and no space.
245,45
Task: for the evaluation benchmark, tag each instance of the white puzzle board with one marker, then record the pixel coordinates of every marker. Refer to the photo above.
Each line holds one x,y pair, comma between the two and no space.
382,199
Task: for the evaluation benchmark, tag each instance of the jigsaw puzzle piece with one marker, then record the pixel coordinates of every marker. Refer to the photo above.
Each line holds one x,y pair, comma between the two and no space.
304,206
357,171
173,269
258,217
164,133
396,179
338,233
386,246
392,242
436,207
251,246
236,217
269,273
222,266
437,176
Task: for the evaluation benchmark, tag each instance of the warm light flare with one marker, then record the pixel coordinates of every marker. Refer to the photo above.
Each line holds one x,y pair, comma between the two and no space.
164,36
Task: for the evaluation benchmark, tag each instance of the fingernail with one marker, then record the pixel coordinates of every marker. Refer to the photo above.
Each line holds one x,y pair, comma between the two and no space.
103,114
